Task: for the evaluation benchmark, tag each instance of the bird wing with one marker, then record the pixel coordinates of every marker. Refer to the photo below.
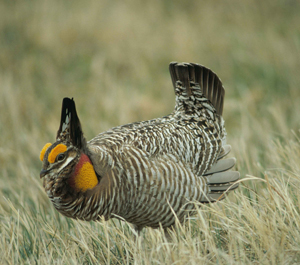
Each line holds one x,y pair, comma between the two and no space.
158,187
147,190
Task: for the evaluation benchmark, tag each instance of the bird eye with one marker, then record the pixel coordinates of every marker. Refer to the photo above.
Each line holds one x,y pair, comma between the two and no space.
60,157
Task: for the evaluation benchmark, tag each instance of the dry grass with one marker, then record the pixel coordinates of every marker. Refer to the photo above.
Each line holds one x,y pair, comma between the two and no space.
112,57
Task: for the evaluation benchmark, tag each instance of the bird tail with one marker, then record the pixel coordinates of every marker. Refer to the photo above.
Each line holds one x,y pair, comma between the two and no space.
196,85
220,178
200,93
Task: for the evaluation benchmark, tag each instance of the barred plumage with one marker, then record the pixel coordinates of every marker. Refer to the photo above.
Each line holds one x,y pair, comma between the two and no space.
144,172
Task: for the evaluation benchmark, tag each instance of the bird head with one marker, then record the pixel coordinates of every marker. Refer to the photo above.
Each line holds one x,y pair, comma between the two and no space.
66,165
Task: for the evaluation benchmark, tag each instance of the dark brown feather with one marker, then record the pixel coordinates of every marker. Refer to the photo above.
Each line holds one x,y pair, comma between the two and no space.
70,127
208,81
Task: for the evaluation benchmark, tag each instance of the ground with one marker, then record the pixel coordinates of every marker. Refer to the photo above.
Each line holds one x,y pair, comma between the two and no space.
112,57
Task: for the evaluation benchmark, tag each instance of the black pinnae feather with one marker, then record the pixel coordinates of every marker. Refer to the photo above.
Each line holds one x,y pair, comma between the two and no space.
64,111
70,127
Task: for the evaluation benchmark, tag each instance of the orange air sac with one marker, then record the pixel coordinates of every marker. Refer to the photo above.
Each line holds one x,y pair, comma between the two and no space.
84,176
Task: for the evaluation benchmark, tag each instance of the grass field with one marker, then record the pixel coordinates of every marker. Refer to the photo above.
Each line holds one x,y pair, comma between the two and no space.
113,57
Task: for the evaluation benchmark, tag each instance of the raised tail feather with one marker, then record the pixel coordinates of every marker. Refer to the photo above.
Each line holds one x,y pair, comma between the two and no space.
220,178
191,74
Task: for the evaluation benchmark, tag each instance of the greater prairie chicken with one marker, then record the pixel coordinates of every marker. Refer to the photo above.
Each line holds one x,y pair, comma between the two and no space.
145,172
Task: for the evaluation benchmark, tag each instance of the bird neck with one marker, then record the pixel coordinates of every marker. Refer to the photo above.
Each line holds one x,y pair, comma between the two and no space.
84,176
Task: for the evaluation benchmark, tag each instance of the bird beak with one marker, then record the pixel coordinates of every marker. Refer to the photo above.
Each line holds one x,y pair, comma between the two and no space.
43,173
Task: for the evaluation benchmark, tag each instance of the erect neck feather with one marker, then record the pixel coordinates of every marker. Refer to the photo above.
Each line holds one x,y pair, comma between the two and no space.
84,176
